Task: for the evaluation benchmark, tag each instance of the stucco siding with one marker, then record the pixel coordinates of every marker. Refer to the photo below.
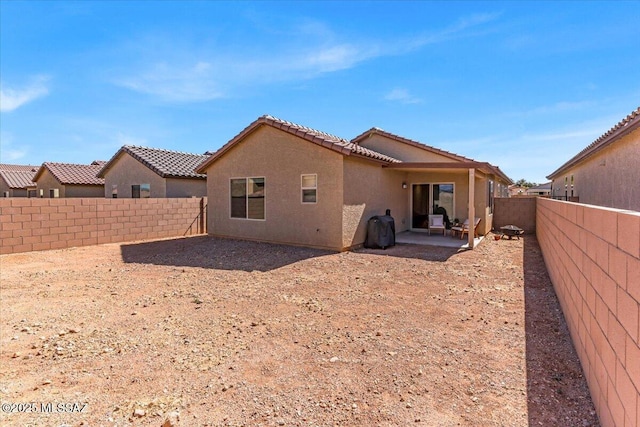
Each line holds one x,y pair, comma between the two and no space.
608,178
370,190
127,171
47,182
186,187
280,158
401,151
83,191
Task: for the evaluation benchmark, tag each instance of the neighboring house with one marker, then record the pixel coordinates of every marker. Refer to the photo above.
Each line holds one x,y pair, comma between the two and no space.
139,172
539,190
517,190
281,182
15,180
607,171
55,180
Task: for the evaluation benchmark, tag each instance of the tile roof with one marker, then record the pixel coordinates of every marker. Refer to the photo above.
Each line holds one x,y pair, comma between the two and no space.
323,139
72,174
18,179
166,163
375,130
630,123
16,168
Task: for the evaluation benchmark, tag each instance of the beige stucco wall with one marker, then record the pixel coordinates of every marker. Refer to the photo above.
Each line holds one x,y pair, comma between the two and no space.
13,192
370,190
46,182
127,171
84,191
186,187
280,158
401,151
609,178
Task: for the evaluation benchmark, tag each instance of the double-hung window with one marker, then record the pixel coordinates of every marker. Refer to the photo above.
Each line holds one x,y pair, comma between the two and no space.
309,188
247,198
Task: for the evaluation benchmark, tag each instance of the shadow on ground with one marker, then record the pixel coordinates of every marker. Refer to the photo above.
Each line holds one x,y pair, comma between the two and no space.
216,253
553,367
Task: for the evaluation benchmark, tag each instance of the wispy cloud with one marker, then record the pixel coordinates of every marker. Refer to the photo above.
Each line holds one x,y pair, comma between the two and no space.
8,152
403,96
122,139
12,98
191,72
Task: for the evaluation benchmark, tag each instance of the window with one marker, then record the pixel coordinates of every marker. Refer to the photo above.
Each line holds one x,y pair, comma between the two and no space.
5,194
114,191
247,198
309,188
490,195
54,193
142,191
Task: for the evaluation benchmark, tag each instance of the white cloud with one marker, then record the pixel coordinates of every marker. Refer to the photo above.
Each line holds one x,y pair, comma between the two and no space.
403,96
9,153
192,83
196,73
11,99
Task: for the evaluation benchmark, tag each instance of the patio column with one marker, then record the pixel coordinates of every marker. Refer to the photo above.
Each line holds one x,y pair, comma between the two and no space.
472,210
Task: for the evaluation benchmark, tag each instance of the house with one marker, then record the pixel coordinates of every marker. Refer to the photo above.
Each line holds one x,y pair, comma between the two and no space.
517,190
15,180
55,180
539,190
139,172
607,171
277,181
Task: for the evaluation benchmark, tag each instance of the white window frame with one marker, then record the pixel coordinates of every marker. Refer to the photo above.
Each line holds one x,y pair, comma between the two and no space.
303,188
246,196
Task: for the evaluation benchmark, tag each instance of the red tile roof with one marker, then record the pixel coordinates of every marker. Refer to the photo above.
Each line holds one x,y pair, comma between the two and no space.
625,126
18,179
20,168
323,139
166,163
72,174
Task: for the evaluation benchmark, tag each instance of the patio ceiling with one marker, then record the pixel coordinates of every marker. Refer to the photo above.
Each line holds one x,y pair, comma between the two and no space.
483,167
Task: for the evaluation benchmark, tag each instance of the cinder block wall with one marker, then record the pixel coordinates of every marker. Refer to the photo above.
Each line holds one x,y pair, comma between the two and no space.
41,224
593,257
519,211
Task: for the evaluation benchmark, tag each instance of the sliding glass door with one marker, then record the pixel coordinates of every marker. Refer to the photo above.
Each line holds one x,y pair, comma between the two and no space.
430,199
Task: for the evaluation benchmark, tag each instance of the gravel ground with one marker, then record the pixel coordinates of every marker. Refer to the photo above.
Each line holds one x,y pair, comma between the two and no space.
205,332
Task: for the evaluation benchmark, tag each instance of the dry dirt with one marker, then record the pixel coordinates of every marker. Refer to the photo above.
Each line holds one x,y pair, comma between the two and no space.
240,333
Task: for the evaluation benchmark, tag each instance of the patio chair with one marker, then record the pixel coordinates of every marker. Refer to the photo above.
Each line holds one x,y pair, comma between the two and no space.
464,228
436,222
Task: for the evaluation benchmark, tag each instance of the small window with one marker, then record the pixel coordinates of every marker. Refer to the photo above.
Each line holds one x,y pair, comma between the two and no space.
247,198
6,194
114,191
309,188
142,191
54,193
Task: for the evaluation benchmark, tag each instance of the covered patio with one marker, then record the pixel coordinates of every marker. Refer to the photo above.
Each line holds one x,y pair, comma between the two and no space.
448,241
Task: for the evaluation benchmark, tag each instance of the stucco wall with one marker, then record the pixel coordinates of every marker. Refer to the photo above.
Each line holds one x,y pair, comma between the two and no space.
593,258
46,182
186,187
127,171
608,178
370,190
41,224
83,190
401,151
281,158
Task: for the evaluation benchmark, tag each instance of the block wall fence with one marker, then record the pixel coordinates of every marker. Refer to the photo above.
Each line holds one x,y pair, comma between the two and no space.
41,224
520,211
593,258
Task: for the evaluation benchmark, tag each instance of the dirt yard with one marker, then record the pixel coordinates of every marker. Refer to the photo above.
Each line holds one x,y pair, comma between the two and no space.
222,332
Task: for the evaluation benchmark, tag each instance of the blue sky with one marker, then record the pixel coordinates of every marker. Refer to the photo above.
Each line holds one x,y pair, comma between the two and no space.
522,85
